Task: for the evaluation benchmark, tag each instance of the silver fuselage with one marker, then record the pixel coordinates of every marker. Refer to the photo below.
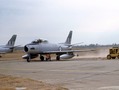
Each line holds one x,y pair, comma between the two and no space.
44,48
4,49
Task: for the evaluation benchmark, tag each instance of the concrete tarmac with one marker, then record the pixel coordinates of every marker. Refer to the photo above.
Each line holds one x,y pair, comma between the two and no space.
72,74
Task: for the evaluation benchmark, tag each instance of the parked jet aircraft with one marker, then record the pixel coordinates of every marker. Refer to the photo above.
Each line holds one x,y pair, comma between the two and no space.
9,46
43,47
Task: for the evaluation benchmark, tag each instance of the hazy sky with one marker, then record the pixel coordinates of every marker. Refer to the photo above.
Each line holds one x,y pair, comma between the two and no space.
92,21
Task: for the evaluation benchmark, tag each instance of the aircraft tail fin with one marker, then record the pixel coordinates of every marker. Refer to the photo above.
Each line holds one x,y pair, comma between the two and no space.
69,38
11,42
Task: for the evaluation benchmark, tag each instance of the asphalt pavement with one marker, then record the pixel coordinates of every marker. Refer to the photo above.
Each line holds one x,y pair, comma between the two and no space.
72,74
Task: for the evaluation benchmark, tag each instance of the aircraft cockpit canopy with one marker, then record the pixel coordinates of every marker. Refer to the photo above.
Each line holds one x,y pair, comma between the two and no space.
37,41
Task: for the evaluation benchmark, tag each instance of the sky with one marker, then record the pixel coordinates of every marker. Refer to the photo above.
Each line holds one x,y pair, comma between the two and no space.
92,21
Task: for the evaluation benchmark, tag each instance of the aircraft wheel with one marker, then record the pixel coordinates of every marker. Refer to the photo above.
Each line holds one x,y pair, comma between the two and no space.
28,60
48,59
42,58
58,57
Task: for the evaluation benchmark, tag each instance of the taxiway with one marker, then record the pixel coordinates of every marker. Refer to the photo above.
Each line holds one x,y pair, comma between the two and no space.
73,74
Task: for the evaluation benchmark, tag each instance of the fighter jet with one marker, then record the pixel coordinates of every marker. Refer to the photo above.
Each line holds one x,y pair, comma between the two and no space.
8,48
43,47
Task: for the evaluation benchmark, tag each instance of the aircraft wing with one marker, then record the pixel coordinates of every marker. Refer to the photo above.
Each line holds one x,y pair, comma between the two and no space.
67,51
2,52
12,47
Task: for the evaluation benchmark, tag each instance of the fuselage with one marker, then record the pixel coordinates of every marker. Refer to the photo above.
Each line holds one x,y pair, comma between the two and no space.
44,47
5,50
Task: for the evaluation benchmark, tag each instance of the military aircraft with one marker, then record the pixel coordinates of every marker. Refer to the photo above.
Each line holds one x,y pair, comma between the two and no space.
43,47
9,46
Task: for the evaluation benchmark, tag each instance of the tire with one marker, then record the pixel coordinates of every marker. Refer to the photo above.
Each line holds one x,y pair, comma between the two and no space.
58,57
42,58
28,60
109,57
48,59
118,56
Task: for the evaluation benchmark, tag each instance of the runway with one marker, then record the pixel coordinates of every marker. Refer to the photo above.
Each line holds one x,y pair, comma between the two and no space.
72,74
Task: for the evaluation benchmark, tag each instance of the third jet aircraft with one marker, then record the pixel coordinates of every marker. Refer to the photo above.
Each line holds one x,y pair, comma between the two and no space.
9,46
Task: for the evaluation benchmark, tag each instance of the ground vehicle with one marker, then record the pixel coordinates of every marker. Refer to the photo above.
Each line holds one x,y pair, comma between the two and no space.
113,53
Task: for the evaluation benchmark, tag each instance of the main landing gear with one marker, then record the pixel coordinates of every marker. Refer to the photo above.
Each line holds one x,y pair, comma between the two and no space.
58,57
48,57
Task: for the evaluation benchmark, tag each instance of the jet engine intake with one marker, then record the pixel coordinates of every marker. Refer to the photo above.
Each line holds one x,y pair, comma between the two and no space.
32,49
25,48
